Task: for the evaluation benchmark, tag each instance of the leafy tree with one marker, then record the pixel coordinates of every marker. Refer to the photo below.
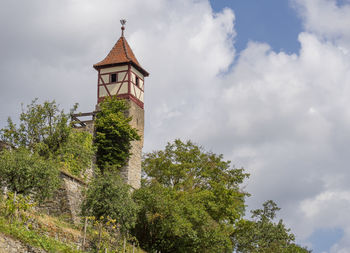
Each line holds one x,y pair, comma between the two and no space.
45,129
109,197
189,200
27,173
173,221
263,235
113,134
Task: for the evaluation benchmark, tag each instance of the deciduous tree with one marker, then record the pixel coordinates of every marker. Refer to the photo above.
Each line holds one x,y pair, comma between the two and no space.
42,128
28,173
189,200
108,196
262,234
45,129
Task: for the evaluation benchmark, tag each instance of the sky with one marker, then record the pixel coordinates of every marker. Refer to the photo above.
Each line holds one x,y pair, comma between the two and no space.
266,83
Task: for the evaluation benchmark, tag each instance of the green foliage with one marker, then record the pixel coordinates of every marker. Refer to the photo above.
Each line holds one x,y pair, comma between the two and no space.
21,226
76,153
14,206
105,233
108,197
24,172
263,235
174,221
43,128
189,200
34,238
113,134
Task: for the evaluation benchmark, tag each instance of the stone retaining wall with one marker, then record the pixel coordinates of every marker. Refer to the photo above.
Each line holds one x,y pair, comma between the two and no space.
67,200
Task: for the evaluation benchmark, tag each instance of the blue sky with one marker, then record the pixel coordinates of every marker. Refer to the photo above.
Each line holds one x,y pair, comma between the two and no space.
271,21
323,239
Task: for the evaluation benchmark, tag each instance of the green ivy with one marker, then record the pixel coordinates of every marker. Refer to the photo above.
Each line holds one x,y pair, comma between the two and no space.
113,134
76,153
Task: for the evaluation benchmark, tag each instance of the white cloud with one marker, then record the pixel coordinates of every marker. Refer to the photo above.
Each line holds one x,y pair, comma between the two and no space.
329,209
292,113
326,18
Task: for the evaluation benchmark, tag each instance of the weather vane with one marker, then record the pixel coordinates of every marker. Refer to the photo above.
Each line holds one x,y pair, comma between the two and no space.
123,21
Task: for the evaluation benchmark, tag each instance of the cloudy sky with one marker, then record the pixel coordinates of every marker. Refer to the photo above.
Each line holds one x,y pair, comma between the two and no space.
266,83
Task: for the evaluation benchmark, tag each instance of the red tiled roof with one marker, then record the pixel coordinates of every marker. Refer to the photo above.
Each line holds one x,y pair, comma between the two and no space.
120,53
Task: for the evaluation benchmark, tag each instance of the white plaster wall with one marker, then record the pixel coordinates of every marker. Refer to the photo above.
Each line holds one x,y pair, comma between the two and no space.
102,91
137,72
114,69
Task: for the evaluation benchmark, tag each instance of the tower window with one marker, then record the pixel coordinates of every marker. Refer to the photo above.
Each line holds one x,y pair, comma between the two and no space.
114,78
137,80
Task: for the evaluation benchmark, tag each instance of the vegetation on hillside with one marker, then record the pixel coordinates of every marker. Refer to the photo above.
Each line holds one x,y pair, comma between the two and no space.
44,130
21,222
26,173
191,200
108,199
45,143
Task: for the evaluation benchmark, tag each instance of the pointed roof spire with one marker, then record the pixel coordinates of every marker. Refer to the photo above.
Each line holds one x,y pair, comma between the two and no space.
123,21
120,53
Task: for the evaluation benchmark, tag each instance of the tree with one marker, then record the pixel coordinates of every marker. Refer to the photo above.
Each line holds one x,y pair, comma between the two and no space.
113,134
173,221
108,196
189,200
263,235
27,173
45,129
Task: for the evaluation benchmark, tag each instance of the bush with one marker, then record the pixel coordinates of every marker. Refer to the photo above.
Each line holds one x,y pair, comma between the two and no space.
27,173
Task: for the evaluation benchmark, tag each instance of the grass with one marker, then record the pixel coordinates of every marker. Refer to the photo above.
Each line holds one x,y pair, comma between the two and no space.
49,233
52,234
34,238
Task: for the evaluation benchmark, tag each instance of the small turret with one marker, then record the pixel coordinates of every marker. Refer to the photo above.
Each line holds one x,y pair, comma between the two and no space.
120,74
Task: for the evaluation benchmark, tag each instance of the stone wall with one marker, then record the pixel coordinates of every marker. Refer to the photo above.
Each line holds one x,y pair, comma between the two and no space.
67,201
89,127
132,172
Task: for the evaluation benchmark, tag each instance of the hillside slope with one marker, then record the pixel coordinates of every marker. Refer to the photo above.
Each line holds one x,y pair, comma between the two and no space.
10,245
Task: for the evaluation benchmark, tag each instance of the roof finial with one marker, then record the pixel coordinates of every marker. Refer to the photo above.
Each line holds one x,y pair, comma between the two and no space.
123,21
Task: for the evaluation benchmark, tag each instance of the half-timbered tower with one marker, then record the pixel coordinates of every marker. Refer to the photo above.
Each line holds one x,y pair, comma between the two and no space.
121,75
